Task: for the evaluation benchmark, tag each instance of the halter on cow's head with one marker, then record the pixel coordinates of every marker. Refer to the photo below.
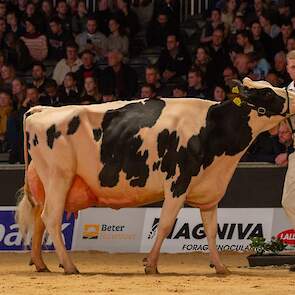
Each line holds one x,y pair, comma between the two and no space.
264,98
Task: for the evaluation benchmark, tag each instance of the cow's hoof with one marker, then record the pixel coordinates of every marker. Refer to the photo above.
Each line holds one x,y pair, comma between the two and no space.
292,268
151,270
72,272
61,266
45,269
148,269
39,268
222,270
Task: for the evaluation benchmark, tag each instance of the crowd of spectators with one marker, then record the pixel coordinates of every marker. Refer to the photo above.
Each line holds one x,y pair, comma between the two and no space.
91,53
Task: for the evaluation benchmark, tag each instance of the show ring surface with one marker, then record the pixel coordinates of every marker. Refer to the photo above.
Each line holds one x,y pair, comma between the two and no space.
103,273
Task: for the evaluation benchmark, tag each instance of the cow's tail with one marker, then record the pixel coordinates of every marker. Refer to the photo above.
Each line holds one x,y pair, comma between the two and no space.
24,212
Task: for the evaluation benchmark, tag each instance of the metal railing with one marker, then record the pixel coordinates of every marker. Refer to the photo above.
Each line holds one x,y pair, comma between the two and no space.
194,7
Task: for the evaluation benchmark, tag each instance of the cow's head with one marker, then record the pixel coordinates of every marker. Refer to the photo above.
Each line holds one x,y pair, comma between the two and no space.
264,98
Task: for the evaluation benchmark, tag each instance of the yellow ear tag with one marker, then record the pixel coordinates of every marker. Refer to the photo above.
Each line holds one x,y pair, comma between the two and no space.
235,90
237,101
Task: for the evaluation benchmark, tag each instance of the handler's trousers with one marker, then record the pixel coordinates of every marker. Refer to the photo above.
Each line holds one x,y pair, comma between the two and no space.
288,199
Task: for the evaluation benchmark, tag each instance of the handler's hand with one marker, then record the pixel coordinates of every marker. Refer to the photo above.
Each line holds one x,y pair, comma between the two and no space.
282,159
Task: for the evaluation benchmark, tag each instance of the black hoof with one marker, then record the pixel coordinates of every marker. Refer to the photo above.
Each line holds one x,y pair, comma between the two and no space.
292,268
61,266
45,269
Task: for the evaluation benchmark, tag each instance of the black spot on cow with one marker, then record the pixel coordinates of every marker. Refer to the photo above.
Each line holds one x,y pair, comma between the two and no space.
73,125
156,165
52,134
226,132
35,140
121,142
96,134
28,140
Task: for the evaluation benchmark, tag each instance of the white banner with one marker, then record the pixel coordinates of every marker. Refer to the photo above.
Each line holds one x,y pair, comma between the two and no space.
282,228
235,226
109,230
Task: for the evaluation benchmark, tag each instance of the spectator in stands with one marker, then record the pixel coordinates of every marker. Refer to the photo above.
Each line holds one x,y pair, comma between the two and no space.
259,67
274,79
68,92
39,77
280,63
152,77
50,96
117,40
18,92
127,18
91,92
62,11
261,41
238,25
92,39
35,41
57,38
170,7
17,53
79,19
228,14
3,8
215,22
219,93
5,110
285,138
196,86
259,9
13,24
158,30
2,32
268,27
245,43
265,148
242,64
219,55
71,63
229,74
7,74
290,44
284,11
179,90
103,14
204,62
31,12
16,149
148,91
174,60
21,7
280,42
2,59
46,12
88,68
144,11
119,76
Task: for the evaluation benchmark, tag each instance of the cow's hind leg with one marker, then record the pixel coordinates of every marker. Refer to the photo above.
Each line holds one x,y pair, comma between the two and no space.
39,228
55,196
170,209
209,218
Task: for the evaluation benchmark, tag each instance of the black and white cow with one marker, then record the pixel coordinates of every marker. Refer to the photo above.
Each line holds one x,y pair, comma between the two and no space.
127,154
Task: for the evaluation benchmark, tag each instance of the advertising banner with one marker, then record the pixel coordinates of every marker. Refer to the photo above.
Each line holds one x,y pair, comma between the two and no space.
109,230
11,239
282,228
235,226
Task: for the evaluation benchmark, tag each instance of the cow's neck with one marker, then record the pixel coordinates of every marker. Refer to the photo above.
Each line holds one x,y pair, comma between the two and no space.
231,129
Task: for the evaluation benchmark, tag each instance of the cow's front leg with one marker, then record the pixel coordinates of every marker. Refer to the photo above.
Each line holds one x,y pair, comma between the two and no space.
170,209
209,218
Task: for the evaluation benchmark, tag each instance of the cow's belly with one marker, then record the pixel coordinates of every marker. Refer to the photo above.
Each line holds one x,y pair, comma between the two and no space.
81,196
